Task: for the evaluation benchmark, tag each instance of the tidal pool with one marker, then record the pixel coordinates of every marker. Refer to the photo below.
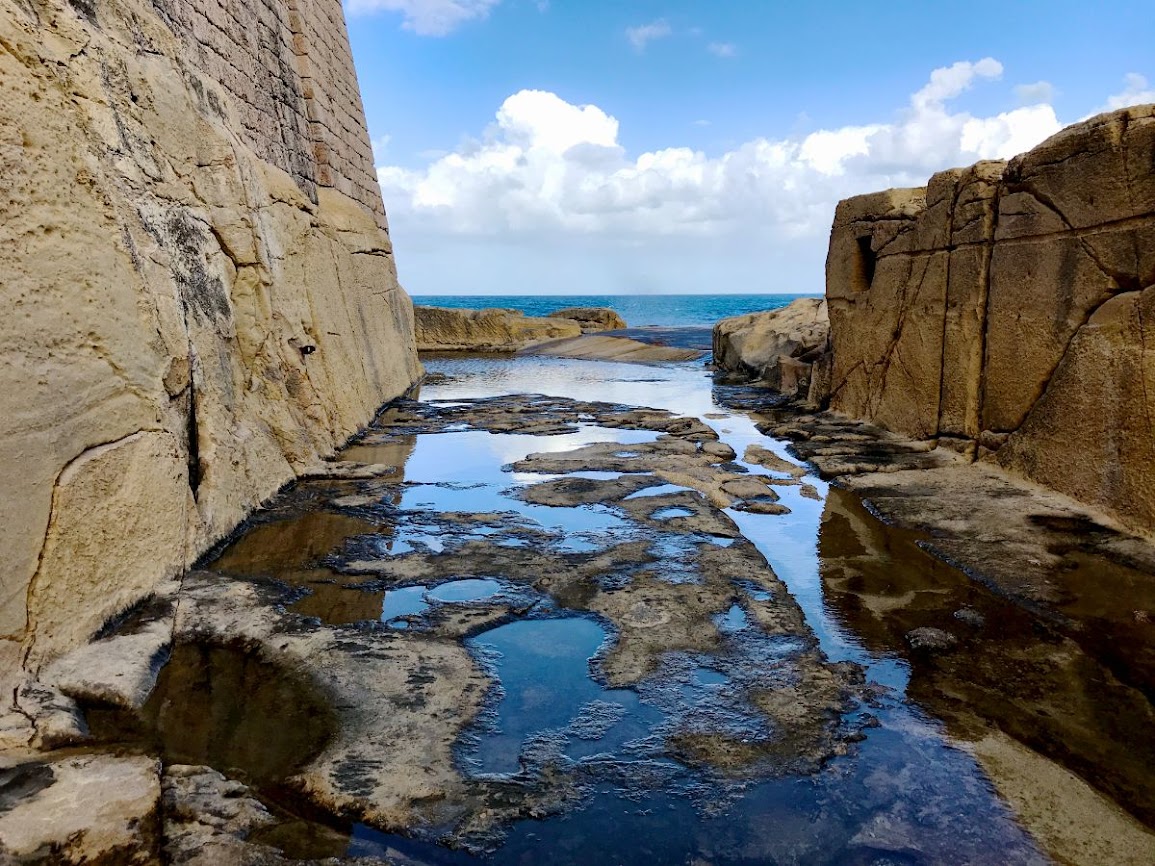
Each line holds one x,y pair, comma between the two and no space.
654,693
906,793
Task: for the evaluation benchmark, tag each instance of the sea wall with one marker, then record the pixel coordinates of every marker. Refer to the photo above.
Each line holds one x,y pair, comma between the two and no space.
1008,310
200,294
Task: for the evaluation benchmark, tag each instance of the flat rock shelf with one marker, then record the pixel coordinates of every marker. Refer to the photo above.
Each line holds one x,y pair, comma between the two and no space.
578,612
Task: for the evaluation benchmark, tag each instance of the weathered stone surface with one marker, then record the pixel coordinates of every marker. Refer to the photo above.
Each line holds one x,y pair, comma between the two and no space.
1003,305
591,318
201,293
491,330
1091,433
598,347
776,346
87,809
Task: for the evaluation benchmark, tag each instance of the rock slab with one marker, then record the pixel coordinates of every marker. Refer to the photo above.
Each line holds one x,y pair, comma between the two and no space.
591,319
1009,306
440,329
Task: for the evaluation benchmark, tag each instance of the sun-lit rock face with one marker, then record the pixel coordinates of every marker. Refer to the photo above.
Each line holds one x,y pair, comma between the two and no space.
776,346
440,329
199,283
1010,305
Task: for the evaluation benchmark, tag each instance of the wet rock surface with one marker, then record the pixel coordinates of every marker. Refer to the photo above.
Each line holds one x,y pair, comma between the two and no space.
506,628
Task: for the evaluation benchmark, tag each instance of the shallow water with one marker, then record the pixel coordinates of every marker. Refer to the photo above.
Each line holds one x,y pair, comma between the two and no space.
906,794
906,789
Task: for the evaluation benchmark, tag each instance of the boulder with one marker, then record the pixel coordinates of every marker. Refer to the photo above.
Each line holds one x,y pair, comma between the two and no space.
440,329
777,346
591,318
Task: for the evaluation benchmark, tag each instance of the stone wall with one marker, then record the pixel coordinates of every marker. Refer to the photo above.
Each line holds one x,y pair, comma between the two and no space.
200,294
288,68
1007,309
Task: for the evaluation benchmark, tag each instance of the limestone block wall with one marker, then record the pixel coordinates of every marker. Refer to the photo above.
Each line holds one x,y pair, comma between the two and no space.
200,293
1010,305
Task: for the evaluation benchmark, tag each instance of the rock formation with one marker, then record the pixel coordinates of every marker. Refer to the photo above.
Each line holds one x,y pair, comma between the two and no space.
777,346
200,288
591,318
1008,307
600,347
440,329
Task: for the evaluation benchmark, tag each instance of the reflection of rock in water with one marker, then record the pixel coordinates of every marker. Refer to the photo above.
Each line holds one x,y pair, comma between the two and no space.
1033,675
229,708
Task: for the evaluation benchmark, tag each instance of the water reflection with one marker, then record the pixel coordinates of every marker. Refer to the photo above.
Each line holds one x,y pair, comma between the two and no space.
1016,671
910,792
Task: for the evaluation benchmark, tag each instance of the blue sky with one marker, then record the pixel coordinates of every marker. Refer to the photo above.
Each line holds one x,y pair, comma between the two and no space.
591,146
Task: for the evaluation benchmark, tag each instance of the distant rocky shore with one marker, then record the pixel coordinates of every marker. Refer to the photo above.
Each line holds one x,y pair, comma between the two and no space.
574,332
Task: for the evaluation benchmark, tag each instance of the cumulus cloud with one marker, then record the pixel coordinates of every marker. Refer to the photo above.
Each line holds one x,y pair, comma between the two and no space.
644,34
723,49
1137,91
550,168
427,17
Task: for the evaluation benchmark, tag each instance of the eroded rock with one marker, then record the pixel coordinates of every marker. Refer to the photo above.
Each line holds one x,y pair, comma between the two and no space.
85,809
776,347
592,318
440,329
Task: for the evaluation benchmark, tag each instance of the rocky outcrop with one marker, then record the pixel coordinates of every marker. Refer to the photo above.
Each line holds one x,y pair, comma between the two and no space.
440,329
1008,307
777,347
199,281
591,319
599,347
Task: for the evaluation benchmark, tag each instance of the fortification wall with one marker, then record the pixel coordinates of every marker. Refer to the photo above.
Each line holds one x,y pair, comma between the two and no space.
1008,309
201,294
289,70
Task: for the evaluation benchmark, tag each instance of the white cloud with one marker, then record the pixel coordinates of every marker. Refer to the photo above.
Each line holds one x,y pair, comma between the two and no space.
702,123
547,198
723,49
427,17
948,82
644,34
1136,92
1041,92
547,167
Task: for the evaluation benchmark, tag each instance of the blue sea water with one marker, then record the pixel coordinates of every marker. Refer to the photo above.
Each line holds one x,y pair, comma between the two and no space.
639,311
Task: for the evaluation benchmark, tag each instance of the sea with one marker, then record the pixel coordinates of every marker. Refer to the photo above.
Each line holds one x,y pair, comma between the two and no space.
639,311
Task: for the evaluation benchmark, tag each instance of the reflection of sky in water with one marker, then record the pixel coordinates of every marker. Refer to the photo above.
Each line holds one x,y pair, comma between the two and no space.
660,490
668,513
787,541
732,620
462,472
552,708
543,667
470,589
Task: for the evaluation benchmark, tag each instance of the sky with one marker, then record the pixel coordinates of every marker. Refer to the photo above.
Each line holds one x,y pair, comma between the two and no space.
674,146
